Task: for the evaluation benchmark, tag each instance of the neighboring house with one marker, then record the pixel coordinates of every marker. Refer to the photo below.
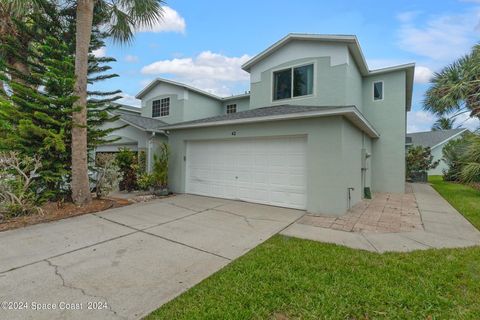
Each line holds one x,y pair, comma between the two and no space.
317,128
436,140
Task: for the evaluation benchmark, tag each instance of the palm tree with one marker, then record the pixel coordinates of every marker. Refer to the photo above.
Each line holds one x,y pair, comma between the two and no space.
456,88
471,170
443,123
121,18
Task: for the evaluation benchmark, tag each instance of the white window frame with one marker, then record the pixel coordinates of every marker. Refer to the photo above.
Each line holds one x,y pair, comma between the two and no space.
164,105
234,105
291,67
383,90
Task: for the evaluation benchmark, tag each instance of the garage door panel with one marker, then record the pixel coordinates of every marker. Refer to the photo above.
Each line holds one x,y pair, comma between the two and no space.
263,170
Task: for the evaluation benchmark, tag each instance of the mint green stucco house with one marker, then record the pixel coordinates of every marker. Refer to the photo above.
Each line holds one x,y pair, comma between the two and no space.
316,128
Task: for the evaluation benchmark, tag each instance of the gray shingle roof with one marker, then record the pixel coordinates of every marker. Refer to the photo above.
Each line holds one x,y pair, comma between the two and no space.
432,138
259,112
144,123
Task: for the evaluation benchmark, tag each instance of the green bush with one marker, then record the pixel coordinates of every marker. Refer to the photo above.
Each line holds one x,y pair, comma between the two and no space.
142,162
471,169
419,160
127,162
108,176
160,168
144,181
454,156
18,193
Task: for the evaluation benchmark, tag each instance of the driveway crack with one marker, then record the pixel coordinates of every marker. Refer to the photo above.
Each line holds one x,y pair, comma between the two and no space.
69,286
247,219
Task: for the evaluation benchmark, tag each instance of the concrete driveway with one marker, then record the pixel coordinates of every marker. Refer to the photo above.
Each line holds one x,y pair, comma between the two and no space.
123,263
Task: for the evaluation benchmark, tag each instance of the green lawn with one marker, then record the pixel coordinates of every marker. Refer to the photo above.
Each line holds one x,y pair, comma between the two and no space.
464,198
288,278
291,278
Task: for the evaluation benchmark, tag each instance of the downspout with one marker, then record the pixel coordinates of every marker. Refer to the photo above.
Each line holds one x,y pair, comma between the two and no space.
364,170
149,148
149,151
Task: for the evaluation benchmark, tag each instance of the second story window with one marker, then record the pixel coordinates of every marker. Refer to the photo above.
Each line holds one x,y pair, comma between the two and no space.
231,108
378,90
293,82
161,108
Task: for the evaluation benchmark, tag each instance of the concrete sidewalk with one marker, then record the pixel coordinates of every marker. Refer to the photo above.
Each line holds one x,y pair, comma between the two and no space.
441,225
125,262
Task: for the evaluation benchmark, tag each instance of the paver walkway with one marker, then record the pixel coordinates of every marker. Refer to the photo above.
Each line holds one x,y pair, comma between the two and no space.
386,212
418,219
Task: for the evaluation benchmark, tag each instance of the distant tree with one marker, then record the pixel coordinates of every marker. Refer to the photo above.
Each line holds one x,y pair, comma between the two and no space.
419,160
443,123
454,157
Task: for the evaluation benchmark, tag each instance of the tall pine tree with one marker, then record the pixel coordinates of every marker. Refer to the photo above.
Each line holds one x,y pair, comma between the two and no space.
35,117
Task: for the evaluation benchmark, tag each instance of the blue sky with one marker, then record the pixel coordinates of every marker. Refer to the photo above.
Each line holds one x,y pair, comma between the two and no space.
203,43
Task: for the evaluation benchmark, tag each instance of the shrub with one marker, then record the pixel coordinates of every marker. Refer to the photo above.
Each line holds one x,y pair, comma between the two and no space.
160,167
17,192
419,160
108,176
142,162
127,161
144,181
471,169
454,156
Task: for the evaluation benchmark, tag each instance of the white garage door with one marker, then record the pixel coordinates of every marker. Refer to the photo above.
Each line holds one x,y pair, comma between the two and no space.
262,170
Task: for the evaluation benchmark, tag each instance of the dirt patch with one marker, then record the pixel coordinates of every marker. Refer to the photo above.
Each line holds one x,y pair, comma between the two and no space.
54,211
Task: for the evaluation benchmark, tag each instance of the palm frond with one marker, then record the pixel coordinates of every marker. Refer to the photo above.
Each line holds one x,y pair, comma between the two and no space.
124,17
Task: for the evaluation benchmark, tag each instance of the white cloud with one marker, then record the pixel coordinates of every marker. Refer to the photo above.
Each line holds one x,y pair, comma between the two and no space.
442,38
423,74
407,16
419,121
206,65
171,21
129,100
100,52
423,121
212,72
466,121
131,58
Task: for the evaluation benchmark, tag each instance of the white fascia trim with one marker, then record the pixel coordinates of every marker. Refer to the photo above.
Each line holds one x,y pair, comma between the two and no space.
392,68
296,36
238,96
138,127
174,83
351,113
446,140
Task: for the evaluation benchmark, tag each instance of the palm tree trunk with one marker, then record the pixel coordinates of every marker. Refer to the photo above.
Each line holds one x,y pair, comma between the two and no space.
80,183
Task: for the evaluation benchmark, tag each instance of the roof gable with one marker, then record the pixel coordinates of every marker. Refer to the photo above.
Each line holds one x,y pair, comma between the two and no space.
142,123
354,48
157,81
433,139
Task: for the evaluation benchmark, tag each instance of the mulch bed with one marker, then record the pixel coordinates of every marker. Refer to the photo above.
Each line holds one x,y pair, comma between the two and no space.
55,211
